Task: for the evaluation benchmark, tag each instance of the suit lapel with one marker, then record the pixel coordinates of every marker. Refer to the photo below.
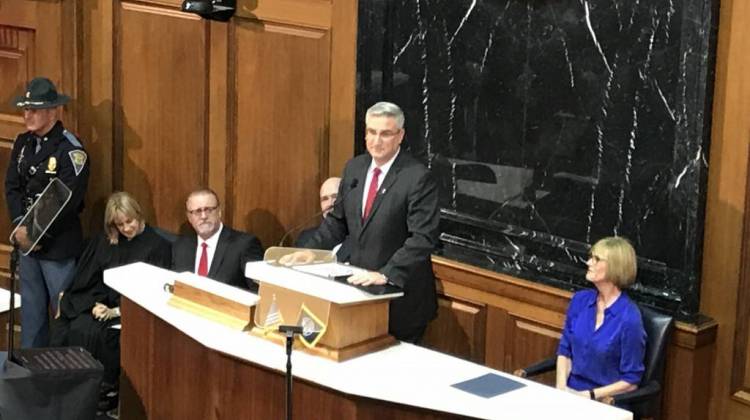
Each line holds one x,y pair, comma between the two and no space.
221,249
358,193
390,178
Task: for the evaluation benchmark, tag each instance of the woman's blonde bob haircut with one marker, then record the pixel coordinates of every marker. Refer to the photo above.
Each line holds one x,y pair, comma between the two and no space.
123,203
620,257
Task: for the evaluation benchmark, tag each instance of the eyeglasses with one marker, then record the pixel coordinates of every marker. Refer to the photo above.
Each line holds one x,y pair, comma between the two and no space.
204,210
596,258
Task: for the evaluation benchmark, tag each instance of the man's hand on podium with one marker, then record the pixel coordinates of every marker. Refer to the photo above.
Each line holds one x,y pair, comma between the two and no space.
297,258
367,278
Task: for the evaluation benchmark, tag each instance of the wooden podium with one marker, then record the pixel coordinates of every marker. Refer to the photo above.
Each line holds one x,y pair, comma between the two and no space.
354,322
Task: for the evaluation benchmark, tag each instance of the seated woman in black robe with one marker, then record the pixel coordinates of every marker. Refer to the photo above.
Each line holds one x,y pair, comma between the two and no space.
89,308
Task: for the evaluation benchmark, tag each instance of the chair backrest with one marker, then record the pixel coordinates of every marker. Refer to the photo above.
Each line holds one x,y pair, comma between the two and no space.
658,328
169,236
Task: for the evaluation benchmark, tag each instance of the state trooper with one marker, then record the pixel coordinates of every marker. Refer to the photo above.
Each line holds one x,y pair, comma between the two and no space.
47,150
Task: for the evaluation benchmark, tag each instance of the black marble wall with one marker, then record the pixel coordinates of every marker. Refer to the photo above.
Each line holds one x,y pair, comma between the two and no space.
552,123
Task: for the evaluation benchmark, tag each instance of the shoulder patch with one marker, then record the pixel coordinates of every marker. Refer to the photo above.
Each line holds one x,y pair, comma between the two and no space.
72,139
78,157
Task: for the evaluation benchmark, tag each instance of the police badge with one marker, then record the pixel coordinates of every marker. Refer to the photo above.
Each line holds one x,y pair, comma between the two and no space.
78,157
51,166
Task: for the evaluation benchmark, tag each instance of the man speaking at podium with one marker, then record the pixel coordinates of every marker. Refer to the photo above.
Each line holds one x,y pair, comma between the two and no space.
388,206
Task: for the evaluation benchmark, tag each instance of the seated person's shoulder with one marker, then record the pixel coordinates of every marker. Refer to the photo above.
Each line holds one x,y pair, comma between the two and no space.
633,315
582,298
246,241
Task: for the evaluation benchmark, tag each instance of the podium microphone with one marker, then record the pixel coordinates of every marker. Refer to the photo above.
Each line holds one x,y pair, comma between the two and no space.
352,186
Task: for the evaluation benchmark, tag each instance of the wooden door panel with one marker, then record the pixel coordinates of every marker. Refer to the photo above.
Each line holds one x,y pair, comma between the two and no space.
281,129
459,329
161,116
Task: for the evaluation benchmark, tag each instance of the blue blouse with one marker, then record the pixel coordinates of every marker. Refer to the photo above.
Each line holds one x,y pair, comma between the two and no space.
612,353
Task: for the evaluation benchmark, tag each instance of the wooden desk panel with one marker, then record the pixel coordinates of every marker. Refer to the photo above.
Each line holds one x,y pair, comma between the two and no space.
168,375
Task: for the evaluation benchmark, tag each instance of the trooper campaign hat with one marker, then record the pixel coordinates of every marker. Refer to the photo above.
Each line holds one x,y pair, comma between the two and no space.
41,93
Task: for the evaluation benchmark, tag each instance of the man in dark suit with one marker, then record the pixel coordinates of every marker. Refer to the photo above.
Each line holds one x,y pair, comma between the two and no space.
388,208
329,191
216,251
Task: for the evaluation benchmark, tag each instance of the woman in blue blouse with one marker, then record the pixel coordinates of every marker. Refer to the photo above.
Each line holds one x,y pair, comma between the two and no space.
602,346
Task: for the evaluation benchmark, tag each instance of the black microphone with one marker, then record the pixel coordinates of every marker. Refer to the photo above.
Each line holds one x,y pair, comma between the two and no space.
352,186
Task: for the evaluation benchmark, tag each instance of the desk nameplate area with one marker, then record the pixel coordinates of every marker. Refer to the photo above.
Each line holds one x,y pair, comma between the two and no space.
215,301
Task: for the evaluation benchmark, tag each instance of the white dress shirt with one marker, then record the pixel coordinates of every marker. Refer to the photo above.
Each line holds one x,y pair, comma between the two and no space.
210,249
383,172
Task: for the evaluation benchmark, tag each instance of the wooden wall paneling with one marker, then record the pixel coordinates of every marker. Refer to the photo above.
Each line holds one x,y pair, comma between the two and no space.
221,74
495,338
172,4
282,89
546,303
174,356
142,334
161,108
725,208
16,68
515,341
343,84
313,14
740,383
459,329
528,342
340,17
96,105
688,364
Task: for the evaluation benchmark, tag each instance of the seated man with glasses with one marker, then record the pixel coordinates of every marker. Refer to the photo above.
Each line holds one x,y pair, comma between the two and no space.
216,251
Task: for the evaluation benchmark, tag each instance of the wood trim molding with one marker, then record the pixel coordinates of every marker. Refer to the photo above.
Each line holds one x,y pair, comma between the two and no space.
158,11
308,13
740,369
501,284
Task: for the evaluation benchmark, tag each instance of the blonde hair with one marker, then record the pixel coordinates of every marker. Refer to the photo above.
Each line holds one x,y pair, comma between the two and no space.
123,203
620,257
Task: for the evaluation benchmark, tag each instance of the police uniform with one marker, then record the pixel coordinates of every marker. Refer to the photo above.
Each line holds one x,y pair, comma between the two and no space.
35,160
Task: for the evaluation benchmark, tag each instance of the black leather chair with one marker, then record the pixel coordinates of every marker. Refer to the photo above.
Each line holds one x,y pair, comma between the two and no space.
167,235
644,402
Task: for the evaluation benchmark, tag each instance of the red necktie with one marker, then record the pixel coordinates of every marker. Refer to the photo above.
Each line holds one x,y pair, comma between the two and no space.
372,192
203,263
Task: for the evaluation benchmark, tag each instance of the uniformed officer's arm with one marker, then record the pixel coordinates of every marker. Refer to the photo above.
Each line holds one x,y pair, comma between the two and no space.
13,190
74,172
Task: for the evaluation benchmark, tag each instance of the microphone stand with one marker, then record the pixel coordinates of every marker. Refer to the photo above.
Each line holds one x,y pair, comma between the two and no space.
299,226
289,331
11,315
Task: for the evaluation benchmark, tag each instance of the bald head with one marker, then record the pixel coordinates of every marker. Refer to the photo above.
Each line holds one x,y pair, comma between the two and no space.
328,193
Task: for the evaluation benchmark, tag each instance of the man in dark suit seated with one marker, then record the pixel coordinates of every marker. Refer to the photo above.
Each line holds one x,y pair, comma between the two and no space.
216,251
388,209
329,191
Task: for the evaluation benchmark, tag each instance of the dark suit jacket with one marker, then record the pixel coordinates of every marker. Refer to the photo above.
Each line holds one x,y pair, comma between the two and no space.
343,254
398,237
233,251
